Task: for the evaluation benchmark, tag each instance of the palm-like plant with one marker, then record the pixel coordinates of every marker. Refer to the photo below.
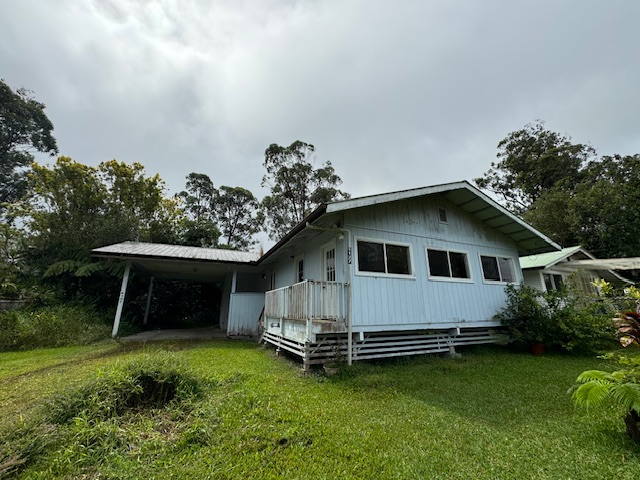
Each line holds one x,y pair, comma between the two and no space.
622,387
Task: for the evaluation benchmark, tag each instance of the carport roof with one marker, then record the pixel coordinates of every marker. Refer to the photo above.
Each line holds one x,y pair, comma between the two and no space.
162,251
180,262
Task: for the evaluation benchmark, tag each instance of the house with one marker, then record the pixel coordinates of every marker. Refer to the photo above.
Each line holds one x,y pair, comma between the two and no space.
550,271
400,273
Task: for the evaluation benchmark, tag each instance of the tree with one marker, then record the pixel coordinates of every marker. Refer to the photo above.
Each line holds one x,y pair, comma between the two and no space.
532,161
200,229
296,186
24,128
237,214
73,208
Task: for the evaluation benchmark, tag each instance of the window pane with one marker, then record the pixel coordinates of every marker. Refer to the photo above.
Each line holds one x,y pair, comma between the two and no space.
490,268
458,265
398,259
300,270
557,279
330,265
506,270
547,282
370,257
438,263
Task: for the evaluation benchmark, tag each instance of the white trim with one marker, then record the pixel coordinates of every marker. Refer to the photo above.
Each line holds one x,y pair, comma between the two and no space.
384,274
435,278
516,279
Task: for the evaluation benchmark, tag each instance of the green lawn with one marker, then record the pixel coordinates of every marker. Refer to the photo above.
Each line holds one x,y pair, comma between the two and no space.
491,414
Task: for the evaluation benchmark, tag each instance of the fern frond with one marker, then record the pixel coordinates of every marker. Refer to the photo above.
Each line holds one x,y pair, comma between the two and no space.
64,266
89,269
592,394
627,395
594,375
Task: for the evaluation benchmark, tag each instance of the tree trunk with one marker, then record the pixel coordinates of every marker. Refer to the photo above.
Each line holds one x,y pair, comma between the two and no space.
632,420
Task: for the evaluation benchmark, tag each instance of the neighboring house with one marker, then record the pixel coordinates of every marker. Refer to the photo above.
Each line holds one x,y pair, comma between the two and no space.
550,271
401,273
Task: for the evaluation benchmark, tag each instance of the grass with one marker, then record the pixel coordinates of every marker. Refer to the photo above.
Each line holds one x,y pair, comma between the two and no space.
491,414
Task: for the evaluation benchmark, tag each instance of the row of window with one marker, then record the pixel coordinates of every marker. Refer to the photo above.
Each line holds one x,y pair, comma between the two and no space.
395,259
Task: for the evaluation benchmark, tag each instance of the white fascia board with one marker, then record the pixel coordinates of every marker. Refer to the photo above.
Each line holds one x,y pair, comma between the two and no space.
393,196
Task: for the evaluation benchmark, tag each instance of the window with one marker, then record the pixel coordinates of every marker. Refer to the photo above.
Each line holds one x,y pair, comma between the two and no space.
442,215
299,269
498,269
552,282
384,258
446,264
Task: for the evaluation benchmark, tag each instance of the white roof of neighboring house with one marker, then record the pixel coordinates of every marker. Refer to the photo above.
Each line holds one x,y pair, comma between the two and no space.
546,260
562,261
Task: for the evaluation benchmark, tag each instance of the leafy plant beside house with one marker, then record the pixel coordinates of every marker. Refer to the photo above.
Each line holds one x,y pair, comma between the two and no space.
567,318
620,388
527,316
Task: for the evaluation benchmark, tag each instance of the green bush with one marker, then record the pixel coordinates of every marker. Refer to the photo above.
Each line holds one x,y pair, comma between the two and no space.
567,318
53,326
527,316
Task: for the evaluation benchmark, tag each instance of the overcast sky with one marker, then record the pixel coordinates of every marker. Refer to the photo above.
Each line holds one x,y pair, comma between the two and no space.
395,94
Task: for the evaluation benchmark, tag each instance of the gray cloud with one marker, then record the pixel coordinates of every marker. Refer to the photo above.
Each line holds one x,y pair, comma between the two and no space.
395,94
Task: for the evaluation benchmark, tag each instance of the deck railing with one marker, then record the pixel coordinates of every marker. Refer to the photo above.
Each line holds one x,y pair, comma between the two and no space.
308,300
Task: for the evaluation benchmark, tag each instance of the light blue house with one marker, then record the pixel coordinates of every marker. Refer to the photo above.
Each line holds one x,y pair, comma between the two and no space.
401,273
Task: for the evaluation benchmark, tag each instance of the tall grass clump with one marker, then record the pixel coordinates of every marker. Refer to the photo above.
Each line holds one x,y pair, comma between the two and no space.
52,326
87,424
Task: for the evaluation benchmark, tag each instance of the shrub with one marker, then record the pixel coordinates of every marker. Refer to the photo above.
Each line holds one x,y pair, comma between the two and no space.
54,326
527,316
567,318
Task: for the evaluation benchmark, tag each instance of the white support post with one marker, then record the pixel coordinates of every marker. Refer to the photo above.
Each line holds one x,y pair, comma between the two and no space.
234,279
309,312
123,292
146,310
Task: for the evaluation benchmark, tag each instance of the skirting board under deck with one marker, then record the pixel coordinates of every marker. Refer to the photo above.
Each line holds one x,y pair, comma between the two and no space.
383,344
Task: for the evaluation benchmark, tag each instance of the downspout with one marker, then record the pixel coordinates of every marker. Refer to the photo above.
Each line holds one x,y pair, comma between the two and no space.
349,307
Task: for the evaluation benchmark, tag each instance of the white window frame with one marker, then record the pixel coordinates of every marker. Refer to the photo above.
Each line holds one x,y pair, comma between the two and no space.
516,278
410,276
435,278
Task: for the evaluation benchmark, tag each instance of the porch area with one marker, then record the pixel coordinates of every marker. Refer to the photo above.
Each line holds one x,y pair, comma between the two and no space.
302,311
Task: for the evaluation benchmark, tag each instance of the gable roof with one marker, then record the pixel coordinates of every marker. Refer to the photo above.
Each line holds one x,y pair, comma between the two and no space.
547,260
474,202
560,260
461,194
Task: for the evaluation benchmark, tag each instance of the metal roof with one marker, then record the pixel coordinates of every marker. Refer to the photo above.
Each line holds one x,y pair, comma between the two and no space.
546,260
154,257
159,251
471,200
631,263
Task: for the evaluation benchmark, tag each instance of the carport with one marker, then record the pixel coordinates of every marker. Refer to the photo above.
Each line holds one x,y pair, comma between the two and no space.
242,292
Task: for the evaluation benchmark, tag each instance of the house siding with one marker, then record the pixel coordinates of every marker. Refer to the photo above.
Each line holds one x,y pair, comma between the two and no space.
244,311
383,303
